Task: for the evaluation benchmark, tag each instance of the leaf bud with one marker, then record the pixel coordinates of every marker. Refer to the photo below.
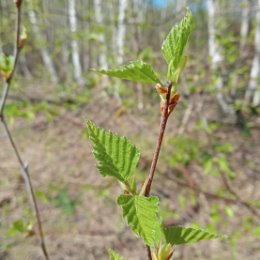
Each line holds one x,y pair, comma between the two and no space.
22,38
18,3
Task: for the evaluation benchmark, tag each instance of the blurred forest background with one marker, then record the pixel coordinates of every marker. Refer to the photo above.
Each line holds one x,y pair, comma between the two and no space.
208,172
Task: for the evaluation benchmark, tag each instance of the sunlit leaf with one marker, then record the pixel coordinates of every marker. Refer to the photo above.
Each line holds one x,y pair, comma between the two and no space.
141,214
138,71
173,47
23,37
183,235
19,226
6,65
116,155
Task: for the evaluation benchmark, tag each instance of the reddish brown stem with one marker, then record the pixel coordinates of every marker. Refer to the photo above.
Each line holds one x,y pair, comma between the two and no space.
146,188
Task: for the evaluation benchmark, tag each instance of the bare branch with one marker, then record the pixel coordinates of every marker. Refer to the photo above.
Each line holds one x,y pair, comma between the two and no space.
29,187
24,167
238,198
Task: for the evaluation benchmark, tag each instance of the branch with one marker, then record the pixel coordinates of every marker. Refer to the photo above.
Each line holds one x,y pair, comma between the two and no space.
148,182
164,118
17,50
24,167
29,187
199,190
238,198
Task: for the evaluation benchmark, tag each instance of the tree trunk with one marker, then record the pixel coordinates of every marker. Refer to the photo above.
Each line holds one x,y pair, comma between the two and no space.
77,70
121,31
46,57
216,57
139,13
214,51
120,40
102,59
244,26
252,93
112,47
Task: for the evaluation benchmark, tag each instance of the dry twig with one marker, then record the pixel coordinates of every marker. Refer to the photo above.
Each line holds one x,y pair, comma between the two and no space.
24,167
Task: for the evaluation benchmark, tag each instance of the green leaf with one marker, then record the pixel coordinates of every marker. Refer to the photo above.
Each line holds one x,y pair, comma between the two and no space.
114,256
141,214
65,202
41,196
23,37
256,232
138,71
173,47
19,226
183,235
116,156
224,166
6,65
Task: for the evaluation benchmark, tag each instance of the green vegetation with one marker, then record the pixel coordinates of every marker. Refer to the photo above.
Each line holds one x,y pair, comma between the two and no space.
118,158
207,174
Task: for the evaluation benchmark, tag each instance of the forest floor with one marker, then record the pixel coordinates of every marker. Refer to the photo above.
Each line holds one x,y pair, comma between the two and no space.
80,217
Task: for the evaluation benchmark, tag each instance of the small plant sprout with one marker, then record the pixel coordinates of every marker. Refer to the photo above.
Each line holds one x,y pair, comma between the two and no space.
117,157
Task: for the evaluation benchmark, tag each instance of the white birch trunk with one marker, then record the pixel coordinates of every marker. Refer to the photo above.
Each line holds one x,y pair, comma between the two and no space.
112,47
102,59
120,39
244,26
214,51
121,30
216,57
253,91
46,57
77,70
139,10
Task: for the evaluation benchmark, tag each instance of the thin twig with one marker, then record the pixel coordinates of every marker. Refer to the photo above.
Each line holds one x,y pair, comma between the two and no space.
24,167
17,50
146,188
29,187
211,195
148,182
239,199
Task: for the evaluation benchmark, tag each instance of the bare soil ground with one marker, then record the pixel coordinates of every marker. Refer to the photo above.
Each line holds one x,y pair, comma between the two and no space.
60,158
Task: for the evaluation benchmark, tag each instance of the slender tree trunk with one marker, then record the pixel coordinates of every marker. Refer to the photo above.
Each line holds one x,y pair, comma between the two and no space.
65,54
252,93
139,13
214,51
216,57
121,30
46,57
120,39
102,58
244,26
77,70
113,14
102,50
